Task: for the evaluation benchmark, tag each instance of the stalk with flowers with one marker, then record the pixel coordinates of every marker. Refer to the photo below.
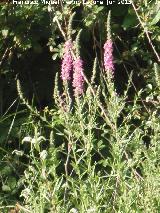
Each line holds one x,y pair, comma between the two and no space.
108,49
67,62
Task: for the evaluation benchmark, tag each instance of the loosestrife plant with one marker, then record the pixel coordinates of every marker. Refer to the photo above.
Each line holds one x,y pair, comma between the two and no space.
96,160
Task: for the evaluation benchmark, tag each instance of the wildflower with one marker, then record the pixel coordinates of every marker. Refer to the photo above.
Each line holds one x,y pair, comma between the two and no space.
108,55
78,79
67,61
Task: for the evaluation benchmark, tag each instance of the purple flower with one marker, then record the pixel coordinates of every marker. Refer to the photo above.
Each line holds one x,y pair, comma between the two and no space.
78,79
67,62
108,55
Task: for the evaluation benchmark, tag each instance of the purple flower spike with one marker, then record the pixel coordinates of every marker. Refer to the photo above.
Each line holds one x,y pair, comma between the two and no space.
108,56
78,79
67,62
68,45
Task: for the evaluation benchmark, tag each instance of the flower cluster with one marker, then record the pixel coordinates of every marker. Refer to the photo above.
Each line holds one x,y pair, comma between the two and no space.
77,65
67,62
108,56
73,68
78,79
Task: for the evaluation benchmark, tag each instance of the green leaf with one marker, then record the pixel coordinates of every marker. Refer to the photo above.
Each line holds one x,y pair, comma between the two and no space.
6,188
55,56
156,19
98,9
12,182
5,33
6,171
130,20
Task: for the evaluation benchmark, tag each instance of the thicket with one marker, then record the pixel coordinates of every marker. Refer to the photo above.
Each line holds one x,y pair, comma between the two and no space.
79,108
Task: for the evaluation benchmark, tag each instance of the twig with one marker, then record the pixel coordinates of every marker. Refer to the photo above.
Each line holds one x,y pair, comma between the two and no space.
5,54
66,170
146,31
18,206
60,28
22,208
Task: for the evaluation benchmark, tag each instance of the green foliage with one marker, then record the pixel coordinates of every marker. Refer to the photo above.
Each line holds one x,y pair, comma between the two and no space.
98,152
27,19
92,166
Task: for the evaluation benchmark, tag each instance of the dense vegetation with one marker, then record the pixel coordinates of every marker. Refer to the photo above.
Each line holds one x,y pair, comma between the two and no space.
79,107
